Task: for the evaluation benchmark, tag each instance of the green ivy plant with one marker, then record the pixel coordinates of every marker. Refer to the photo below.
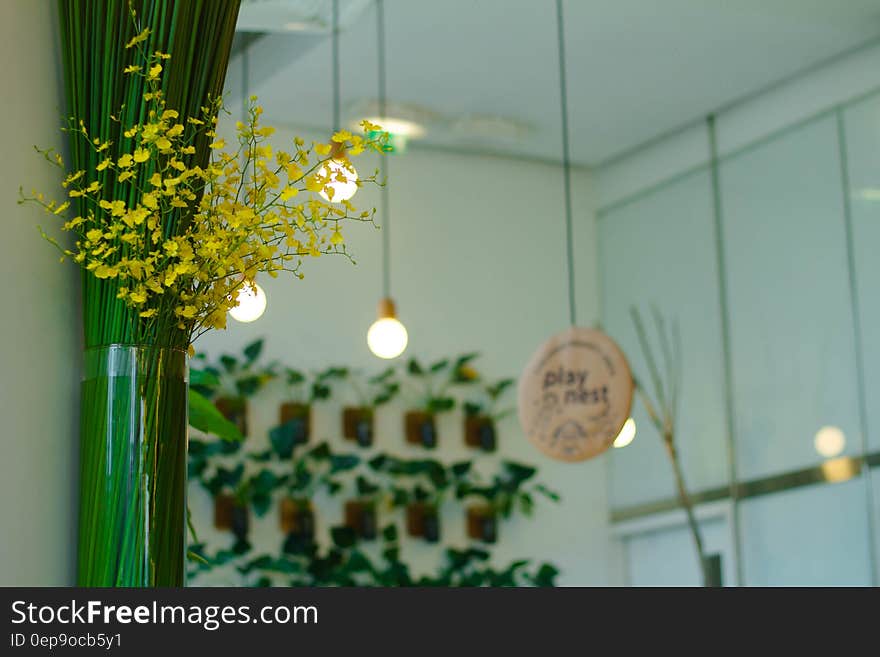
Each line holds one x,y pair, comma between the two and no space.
235,376
373,391
256,480
306,387
344,564
318,469
508,492
432,383
484,402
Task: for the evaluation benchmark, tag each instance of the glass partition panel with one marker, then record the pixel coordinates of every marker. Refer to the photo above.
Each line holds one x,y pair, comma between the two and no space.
790,314
810,536
665,556
862,124
659,251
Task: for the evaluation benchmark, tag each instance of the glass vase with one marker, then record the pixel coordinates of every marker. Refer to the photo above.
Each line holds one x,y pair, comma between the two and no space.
132,511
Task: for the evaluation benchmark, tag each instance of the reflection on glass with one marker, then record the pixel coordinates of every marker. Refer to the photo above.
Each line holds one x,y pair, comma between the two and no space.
841,469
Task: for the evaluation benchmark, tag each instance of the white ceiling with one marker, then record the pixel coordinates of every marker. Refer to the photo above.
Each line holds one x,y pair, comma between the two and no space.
636,68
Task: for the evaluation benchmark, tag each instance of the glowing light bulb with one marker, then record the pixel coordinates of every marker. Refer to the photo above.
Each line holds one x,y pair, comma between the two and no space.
387,337
829,441
627,434
342,180
251,304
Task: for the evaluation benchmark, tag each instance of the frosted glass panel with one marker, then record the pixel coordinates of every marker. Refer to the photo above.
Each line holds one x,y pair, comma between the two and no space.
660,250
666,557
863,148
791,323
813,536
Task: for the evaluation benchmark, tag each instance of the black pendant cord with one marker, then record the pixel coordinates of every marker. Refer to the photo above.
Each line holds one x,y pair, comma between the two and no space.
383,160
335,57
566,166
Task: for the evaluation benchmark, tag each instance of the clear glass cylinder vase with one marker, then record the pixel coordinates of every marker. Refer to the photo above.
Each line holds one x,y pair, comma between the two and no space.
133,445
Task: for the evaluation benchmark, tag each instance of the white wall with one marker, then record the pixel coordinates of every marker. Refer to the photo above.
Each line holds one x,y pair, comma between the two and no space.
477,264
39,332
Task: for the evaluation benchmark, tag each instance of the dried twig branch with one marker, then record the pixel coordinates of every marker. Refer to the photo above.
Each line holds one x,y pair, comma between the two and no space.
662,411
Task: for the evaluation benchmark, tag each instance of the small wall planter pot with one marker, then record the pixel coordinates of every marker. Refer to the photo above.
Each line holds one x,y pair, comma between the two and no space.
230,515
297,517
235,410
482,524
357,425
299,418
361,517
479,433
423,521
421,429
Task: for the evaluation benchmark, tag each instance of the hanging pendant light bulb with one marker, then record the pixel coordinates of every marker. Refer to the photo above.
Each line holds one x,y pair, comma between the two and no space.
626,435
251,304
387,336
342,177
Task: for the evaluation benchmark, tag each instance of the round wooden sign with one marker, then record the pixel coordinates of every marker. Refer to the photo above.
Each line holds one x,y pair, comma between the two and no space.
575,394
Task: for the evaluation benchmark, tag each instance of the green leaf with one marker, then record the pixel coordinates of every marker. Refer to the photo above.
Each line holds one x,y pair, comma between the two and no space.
334,373
461,468
364,487
389,533
205,417
382,377
266,481
247,386
261,457
414,368
205,378
518,473
358,562
441,404
439,365
343,537
229,363
343,462
472,409
526,504
495,391
548,493
546,575
194,556
399,496
283,438
320,391
294,377
321,452
253,351
262,502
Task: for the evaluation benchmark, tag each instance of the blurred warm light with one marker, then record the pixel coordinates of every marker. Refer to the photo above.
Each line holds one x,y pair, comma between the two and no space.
870,194
829,442
399,127
627,434
251,304
342,180
387,337
840,469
